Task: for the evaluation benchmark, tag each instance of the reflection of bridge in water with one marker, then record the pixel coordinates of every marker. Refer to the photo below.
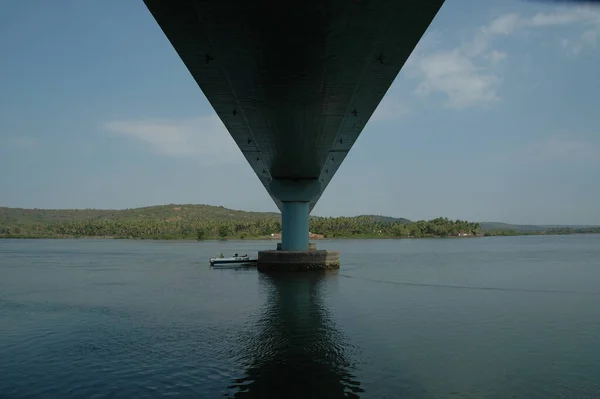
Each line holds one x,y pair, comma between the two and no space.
297,351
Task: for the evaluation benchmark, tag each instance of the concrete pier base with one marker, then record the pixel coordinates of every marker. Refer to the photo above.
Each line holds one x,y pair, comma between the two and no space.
275,261
311,246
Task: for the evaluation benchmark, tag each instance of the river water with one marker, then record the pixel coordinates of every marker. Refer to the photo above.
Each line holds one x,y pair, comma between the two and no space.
494,317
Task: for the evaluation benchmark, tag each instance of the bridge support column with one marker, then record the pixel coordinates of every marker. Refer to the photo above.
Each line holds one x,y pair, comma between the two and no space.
295,253
294,226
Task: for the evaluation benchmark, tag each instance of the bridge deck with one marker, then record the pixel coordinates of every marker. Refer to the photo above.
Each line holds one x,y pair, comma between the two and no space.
294,82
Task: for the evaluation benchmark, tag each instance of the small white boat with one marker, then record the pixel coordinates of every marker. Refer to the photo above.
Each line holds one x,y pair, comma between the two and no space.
231,261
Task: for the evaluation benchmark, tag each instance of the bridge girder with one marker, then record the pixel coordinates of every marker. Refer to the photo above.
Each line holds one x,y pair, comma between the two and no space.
294,82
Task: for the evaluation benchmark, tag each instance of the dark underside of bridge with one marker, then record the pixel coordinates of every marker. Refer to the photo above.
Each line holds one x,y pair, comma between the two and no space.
294,82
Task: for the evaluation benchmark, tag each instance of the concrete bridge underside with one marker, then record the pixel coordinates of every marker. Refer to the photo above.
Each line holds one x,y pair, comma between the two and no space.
294,82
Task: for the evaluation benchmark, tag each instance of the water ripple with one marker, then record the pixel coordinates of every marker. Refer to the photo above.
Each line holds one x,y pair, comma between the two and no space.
130,319
469,287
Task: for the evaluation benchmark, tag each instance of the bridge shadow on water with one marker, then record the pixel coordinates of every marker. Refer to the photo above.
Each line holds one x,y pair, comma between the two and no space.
295,351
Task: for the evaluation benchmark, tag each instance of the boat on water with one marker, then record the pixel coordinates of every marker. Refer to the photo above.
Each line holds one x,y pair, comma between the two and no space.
234,260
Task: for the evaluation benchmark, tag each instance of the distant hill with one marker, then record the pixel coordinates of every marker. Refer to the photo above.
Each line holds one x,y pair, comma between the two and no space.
201,222
528,228
572,226
11,216
21,216
521,228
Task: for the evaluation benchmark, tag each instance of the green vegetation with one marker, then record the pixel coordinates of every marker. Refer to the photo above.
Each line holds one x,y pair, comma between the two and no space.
574,230
517,229
10,216
201,222
505,233
373,226
208,222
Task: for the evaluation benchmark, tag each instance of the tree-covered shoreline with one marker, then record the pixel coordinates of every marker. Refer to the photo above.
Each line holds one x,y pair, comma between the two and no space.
200,222
547,232
340,227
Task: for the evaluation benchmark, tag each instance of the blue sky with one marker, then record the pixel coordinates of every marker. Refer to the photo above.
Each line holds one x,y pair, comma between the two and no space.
494,117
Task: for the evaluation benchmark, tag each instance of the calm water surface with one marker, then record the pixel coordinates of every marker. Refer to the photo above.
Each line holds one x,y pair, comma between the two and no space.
514,317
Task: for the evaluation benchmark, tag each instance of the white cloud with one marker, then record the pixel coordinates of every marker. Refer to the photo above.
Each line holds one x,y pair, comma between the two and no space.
564,16
390,108
467,75
495,56
204,137
455,75
572,42
502,25
571,47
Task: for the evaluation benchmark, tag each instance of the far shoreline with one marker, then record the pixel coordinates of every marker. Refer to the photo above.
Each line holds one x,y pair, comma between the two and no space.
189,239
